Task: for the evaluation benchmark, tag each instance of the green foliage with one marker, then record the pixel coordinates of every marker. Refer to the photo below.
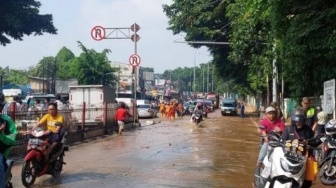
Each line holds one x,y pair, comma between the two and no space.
307,42
64,59
93,67
13,76
300,35
21,17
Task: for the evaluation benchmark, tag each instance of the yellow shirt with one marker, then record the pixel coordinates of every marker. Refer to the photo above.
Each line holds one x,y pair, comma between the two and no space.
50,121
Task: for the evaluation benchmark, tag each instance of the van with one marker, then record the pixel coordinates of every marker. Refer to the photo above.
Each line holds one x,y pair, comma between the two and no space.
131,106
229,106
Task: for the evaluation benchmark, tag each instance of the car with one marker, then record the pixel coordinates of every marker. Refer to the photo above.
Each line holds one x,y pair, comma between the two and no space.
229,107
146,111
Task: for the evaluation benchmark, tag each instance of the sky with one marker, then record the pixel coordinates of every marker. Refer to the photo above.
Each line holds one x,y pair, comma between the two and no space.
75,20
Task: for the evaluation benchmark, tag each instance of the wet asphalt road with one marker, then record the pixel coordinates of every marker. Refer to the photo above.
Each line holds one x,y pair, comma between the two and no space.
221,153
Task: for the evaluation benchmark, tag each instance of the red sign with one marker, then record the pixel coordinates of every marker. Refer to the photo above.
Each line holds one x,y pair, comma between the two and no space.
98,33
134,60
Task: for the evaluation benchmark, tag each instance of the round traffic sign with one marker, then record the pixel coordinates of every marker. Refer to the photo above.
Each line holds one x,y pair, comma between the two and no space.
134,60
135,38
135,27
98,33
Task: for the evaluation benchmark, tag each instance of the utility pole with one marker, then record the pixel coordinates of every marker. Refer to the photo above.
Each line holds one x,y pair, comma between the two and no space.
194,89
212,81
203,80
208,79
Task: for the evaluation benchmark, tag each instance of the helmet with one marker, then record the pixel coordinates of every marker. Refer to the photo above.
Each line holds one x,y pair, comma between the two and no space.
298,116
330,127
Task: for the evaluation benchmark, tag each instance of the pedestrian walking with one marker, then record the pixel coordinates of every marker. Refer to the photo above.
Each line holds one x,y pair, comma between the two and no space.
120,117
242,110
162,109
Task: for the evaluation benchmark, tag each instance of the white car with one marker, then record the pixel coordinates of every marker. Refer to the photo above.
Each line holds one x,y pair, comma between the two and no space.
146,111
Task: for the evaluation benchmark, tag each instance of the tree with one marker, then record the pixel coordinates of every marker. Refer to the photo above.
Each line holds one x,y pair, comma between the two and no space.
202,20
93,67
306,43
21,17
64,59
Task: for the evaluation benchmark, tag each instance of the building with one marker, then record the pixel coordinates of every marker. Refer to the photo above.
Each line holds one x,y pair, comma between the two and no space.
44,85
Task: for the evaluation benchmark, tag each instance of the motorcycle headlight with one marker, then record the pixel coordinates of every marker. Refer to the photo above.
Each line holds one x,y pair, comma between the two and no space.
289,168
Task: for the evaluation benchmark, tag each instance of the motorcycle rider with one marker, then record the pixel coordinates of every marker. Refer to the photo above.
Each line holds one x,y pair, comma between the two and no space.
198,110
298,130
54,122
268,124
8,134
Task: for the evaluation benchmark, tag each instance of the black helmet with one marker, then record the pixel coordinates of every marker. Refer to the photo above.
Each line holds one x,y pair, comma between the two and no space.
298,116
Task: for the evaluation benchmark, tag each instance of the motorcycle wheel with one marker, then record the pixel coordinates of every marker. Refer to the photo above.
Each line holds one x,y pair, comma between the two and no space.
328,178
27,175
57,166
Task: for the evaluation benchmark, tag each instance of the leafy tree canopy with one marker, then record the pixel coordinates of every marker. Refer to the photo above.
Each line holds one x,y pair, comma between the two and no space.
21,17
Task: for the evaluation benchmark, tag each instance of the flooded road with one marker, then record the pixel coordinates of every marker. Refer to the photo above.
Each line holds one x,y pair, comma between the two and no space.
221,153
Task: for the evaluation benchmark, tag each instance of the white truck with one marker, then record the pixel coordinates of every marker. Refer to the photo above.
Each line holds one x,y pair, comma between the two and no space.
94,97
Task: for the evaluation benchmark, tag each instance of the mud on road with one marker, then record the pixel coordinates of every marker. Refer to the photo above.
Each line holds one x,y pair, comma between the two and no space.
221,153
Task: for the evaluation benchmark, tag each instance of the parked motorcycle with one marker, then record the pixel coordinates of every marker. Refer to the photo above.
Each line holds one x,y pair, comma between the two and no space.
327,166
35,163
284,164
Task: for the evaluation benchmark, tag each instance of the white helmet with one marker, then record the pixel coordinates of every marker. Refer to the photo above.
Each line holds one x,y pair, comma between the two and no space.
330,127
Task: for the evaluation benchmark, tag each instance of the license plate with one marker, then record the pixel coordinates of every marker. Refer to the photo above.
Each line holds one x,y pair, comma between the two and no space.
36,141
228,112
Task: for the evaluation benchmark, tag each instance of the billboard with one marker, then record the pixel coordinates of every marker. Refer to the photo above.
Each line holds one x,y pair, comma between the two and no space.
160,82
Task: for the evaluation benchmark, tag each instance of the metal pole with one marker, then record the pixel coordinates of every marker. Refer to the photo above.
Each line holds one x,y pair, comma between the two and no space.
194,89
203,80
118,81
136,67
208,79
212,81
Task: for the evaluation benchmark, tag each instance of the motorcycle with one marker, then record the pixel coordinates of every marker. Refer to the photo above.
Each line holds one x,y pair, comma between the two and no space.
284,164
35,163
327,166
197,118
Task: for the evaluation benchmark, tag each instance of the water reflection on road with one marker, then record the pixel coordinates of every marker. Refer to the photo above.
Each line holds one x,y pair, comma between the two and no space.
222,153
